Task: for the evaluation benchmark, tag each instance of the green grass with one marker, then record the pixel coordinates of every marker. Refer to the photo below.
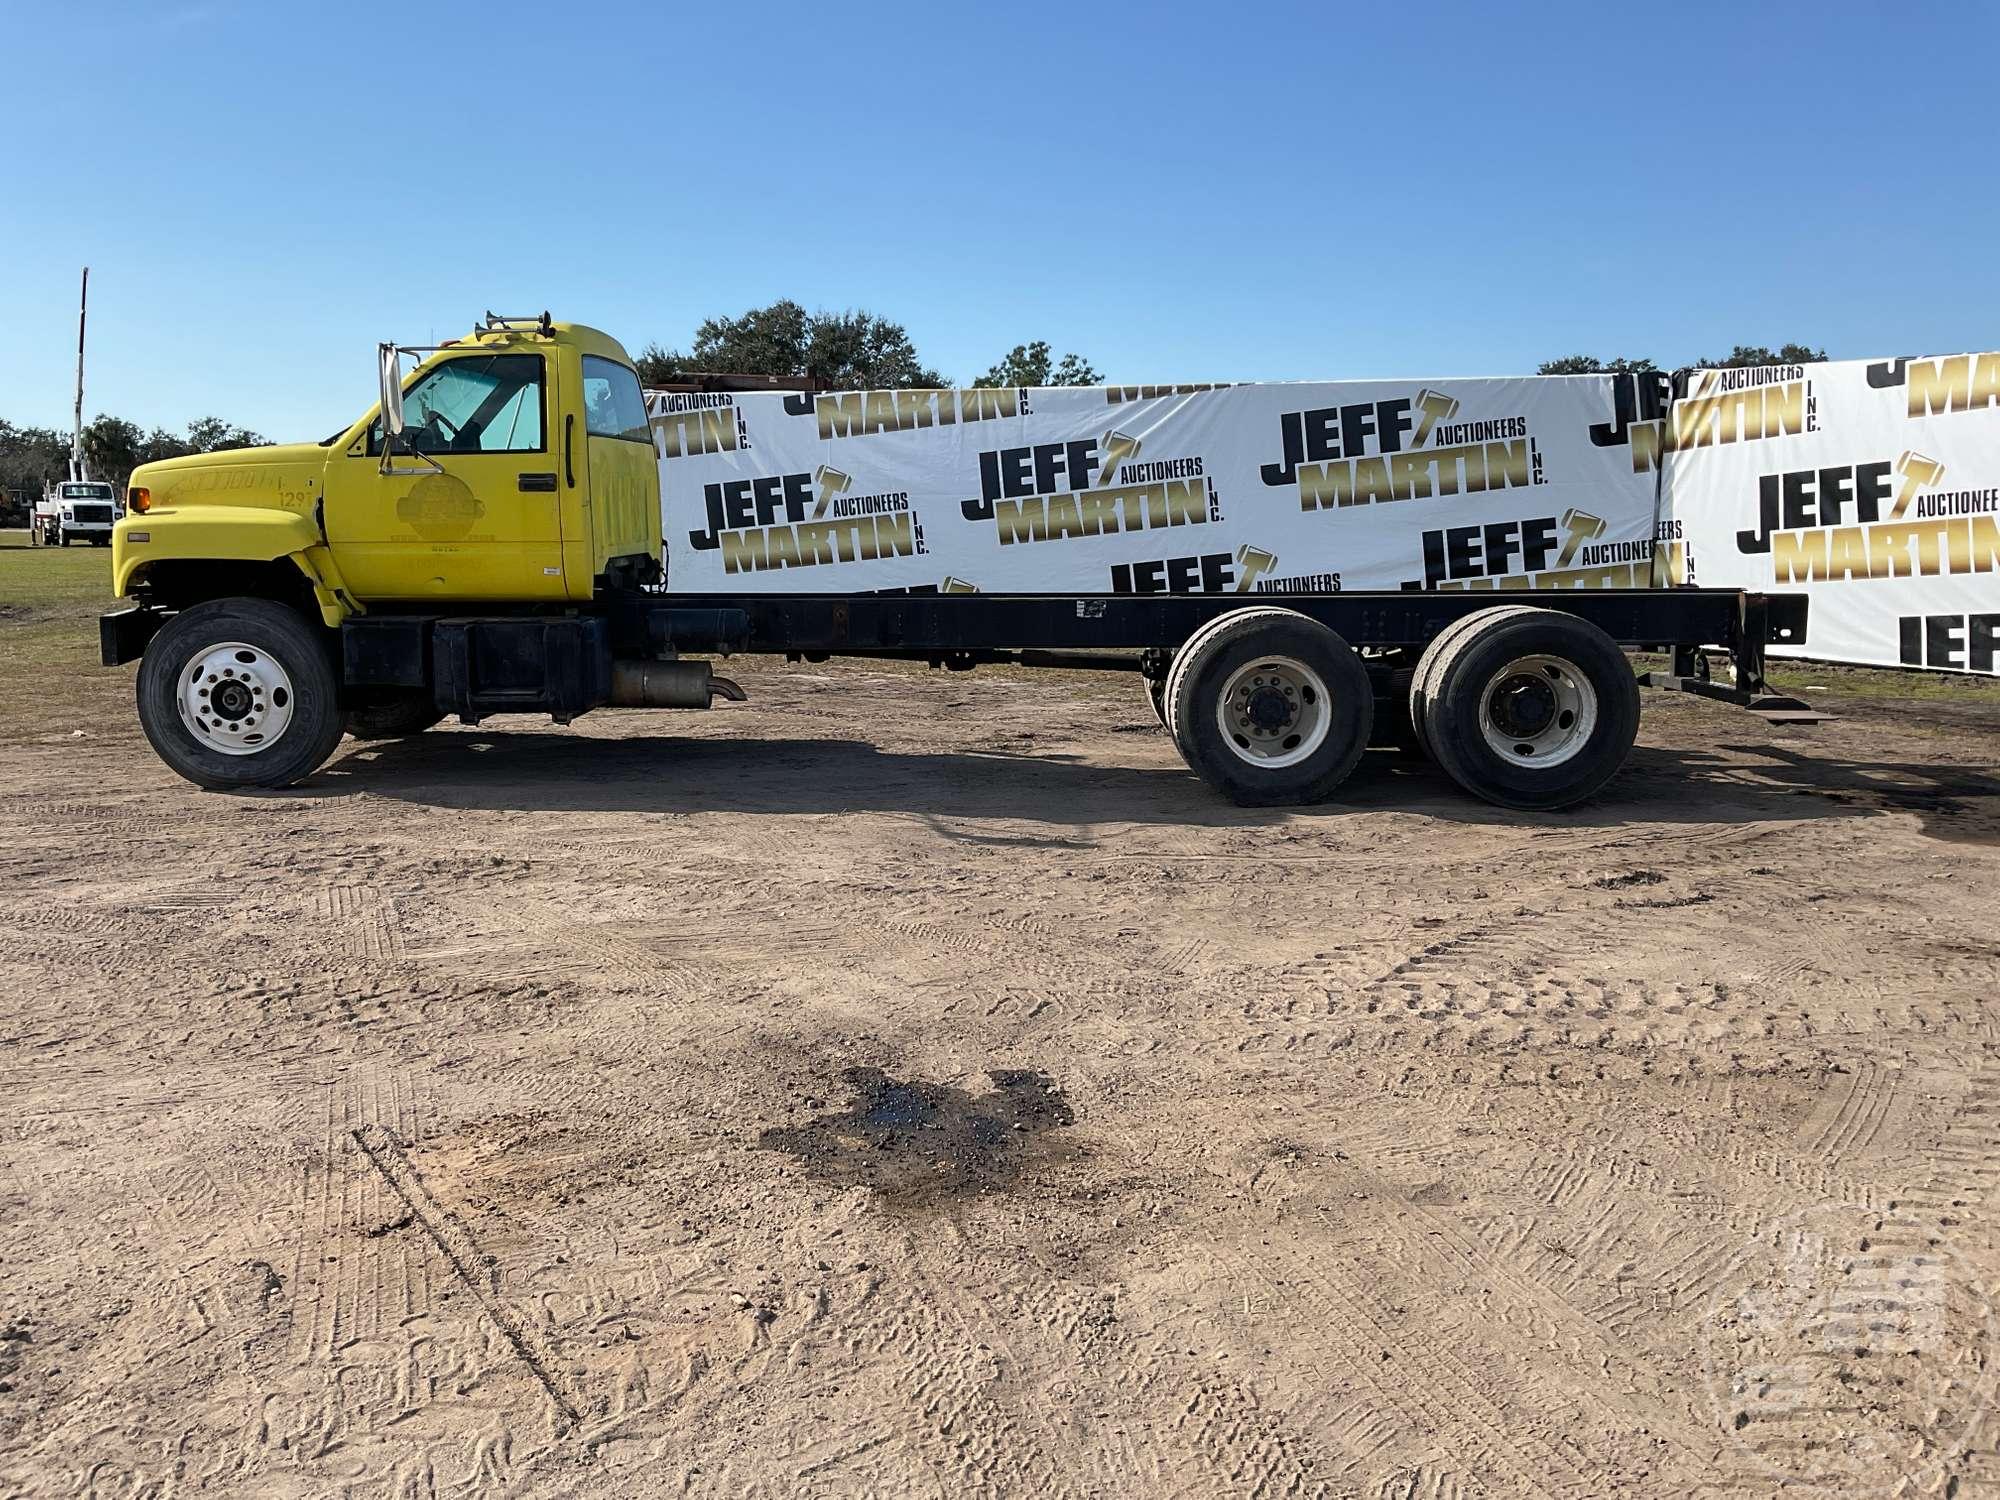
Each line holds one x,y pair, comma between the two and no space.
1798,678
44,578
1807,679
50,598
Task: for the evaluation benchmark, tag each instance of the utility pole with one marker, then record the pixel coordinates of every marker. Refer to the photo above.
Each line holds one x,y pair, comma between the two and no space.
76,432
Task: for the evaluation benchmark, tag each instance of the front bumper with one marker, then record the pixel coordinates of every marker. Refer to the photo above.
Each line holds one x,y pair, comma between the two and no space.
122,634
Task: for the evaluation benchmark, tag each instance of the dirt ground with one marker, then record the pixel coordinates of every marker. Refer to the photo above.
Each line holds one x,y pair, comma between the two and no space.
910,1085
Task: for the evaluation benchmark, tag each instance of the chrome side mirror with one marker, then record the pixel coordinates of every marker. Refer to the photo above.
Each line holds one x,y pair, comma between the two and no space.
389,364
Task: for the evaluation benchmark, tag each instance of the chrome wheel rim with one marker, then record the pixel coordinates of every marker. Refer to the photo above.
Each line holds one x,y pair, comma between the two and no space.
236,699
1538,712
1274,712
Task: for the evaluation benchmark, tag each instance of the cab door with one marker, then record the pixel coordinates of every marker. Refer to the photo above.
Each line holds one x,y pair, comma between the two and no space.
471,509
622,473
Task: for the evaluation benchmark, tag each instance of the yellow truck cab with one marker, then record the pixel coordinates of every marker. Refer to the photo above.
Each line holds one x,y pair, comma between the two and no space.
519,471
524,471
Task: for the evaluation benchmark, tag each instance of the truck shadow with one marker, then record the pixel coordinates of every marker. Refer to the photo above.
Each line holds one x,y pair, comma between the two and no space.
556,771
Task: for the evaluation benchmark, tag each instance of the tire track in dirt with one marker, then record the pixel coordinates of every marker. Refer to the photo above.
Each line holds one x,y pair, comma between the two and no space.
1662,1258
537,941
369,920
1845,1122
1221,1435
1432,1391
1244,1448
1432,1247
986,1444
1057,956
1424,1483
380,1280
1962,1168
452,1239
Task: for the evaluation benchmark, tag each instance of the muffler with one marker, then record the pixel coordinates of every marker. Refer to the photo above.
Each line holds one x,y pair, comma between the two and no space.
638,683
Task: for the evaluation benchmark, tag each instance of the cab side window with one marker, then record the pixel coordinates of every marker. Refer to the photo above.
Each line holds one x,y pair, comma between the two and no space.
477,403
613,404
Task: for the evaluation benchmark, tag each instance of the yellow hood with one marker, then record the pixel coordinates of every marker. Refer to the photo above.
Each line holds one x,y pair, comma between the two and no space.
284,474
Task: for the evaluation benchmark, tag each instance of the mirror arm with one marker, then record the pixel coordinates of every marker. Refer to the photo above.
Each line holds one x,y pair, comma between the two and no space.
388,471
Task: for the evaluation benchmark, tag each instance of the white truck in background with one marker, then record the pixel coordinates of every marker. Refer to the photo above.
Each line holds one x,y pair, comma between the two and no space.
74,510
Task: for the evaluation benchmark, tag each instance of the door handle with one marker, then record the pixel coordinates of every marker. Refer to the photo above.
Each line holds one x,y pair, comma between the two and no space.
539,483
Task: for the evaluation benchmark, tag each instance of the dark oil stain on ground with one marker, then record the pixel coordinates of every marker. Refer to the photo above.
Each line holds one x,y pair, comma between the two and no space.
920,1142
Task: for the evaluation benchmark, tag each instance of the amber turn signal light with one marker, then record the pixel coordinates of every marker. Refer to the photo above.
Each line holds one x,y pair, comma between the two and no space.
139,499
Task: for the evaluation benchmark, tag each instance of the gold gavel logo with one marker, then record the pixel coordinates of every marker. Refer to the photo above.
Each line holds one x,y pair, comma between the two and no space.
1433,407
1581,527
1119,448
1919,473
829,482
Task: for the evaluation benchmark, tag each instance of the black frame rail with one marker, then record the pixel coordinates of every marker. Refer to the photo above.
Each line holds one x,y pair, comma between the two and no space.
970,628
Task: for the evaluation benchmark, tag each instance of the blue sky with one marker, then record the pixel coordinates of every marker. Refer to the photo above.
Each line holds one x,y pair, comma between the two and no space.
1226,191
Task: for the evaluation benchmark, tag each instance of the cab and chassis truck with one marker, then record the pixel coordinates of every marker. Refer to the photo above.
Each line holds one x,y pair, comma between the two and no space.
487,540
80,510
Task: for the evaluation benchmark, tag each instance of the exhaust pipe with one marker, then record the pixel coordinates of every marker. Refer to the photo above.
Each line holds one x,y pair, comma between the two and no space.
637,683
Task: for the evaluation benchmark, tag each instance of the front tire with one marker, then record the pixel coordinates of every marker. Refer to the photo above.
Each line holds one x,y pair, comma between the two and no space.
239,693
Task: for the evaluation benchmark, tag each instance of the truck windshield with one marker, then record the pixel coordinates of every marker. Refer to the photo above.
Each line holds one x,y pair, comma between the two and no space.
474,404
86,492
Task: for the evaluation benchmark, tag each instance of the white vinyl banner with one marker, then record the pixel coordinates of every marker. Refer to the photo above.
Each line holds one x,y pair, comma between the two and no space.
1311,488
1872,487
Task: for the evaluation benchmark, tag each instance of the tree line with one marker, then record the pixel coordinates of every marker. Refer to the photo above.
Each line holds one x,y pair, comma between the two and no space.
1742,357
860,350
113,447
852,349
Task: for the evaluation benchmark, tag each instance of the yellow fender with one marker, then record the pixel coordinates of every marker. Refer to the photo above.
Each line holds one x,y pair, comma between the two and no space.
229,533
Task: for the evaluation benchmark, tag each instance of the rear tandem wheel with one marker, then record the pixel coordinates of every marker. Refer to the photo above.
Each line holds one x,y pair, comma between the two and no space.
1525,707
1269,707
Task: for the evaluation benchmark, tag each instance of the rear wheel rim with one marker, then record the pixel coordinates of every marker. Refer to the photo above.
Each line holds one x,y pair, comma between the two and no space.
1538,712
235,698
1274,712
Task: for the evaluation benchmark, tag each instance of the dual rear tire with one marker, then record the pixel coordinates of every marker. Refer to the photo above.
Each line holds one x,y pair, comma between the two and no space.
1268,707
1524,707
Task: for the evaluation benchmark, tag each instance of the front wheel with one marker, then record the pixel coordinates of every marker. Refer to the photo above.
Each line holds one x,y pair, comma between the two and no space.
62,538
240,692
